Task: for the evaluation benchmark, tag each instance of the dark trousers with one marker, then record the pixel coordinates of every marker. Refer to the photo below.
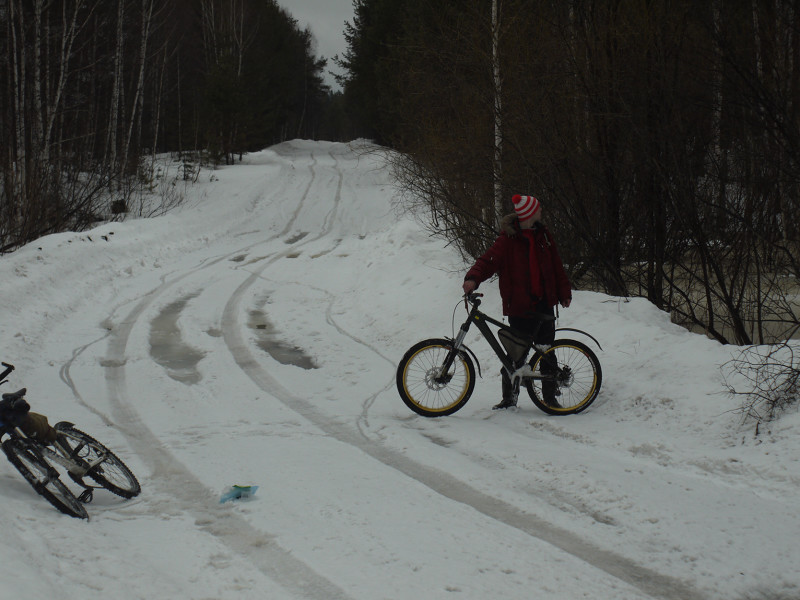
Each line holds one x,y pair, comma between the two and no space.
546,334
547,331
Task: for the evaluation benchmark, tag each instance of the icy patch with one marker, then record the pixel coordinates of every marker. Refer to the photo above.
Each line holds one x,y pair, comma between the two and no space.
168,348
268,340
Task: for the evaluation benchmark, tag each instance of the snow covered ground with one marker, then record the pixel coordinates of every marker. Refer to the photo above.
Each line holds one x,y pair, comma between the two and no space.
252,336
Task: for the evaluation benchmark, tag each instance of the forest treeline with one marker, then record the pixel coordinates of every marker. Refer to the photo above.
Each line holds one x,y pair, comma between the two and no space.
662,137
89,89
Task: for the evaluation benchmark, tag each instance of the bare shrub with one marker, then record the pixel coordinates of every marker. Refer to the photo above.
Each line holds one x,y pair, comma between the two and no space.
161,186
767,380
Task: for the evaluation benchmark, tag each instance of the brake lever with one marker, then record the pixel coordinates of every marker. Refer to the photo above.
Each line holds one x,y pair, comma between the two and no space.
471,297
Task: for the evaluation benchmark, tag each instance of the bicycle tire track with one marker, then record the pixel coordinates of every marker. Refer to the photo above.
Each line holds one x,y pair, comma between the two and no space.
646,580
64,371
363,420
650,582
65,376
252,543
260,548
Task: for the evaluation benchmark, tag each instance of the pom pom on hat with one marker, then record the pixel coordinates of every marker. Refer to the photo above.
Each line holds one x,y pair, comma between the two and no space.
525,206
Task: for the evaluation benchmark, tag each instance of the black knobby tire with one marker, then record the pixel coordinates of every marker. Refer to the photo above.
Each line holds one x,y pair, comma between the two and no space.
112,474
577,378
43,478
421,385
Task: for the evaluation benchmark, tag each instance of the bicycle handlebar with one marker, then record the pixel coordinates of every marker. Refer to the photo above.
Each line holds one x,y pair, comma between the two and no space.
472,298
5,373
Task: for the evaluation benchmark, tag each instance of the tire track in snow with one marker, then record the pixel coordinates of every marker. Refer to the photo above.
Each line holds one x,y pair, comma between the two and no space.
233,531
66,377
363,420
648,581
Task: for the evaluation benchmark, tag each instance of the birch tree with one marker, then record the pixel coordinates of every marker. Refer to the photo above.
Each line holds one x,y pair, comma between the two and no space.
135,118
498,122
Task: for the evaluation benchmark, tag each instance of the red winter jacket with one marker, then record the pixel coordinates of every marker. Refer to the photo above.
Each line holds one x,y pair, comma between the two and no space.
509,257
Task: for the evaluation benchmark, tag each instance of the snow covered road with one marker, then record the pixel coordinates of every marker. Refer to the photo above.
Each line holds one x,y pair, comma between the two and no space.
251,337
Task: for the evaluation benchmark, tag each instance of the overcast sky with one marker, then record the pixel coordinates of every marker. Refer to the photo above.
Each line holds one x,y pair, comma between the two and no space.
326,19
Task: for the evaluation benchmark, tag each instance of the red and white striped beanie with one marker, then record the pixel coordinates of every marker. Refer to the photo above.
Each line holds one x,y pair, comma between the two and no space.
525,206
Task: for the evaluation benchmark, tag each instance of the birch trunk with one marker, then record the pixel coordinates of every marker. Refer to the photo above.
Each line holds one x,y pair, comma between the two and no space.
498,124
113,119
718,169
18,59
70,31
138,99
38,104
158,97
209,31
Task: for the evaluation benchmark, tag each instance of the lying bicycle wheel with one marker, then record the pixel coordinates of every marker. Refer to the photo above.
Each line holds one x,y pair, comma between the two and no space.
111,473
571,378
43,478
423,386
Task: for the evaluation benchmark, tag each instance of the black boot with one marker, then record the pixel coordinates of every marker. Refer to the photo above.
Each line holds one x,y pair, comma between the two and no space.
549,393
550,386
505,403
509,397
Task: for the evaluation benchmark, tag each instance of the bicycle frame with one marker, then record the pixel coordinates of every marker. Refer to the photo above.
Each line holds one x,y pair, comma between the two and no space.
72,450
436,377
482,321
75,468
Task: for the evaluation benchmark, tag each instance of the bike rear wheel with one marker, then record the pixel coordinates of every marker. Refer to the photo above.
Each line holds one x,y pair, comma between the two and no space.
111,473
43,478
423,386
571,378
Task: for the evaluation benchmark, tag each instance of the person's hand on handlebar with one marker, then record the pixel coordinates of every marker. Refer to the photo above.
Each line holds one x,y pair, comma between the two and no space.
469,286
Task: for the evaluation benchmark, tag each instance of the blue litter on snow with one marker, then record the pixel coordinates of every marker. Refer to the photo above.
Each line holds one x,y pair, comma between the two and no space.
238,492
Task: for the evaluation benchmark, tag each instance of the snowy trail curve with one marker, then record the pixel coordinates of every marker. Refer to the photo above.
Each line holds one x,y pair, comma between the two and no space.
649,581
252,337
258,547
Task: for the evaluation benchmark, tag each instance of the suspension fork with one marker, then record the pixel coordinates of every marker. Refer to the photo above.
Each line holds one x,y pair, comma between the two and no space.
457,346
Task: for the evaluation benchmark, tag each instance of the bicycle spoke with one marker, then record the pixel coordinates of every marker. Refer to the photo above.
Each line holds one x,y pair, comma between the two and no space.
573,385
425,388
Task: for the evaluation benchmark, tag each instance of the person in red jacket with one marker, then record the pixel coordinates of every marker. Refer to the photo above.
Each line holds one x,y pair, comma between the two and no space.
532,280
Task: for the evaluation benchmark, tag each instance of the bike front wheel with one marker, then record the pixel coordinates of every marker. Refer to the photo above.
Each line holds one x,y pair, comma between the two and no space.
423,384
568,378
43,478
111,473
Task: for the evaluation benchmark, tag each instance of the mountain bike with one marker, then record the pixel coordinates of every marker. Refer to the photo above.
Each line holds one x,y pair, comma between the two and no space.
78,453
436,377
